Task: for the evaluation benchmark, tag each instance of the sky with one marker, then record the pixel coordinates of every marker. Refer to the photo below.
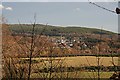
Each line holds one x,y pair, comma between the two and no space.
62,13
57,0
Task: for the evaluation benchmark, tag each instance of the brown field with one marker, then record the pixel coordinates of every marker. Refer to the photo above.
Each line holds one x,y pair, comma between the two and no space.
77,61
90,61
78,74
81,60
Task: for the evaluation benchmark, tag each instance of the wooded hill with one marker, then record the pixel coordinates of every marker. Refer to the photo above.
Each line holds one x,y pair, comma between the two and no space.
55,30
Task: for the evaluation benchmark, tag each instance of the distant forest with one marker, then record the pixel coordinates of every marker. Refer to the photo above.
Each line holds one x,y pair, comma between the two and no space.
55,30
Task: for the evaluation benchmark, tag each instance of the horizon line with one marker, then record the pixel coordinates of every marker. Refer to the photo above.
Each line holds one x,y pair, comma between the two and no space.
94,27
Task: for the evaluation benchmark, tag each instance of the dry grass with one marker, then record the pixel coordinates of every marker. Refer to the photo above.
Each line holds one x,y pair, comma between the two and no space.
82,60
79,74
90,61
77,61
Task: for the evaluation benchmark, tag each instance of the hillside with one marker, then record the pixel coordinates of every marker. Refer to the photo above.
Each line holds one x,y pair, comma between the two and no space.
75,40
55,30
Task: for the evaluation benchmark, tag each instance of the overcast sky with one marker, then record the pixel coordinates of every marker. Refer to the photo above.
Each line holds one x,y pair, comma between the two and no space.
62,13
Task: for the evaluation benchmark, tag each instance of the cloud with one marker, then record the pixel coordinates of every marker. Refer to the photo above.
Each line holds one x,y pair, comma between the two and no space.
9,8
77,9
6,8
1,6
